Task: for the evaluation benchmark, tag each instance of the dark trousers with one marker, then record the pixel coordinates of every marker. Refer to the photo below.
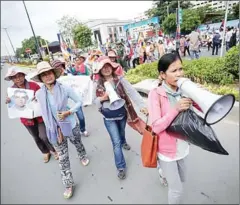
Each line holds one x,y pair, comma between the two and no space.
135,60
209,44
38,132
215,46
186,48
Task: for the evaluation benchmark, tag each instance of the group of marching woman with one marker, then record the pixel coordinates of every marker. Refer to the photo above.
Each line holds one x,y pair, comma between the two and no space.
61,121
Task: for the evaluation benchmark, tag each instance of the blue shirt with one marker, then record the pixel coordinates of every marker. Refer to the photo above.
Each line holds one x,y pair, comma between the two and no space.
71,95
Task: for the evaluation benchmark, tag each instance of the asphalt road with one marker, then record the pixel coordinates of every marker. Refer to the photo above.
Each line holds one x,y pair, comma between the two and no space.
212,178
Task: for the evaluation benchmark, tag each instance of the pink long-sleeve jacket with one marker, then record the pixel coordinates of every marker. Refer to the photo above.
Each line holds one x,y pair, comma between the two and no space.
161,115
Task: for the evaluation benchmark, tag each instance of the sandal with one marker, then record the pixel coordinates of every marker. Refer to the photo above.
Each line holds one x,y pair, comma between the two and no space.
56,156
46,157
85,161
68,193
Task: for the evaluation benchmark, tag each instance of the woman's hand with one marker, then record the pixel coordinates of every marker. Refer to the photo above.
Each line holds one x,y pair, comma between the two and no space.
144,111
184,104
63,114
8,100
105,97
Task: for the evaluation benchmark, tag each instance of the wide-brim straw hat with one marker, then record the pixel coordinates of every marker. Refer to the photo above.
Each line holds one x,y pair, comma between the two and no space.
44,67
111,54
12,71
98,65
83,55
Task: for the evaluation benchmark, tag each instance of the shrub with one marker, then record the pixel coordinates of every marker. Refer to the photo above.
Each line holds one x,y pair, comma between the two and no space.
46,59
222,90
232,61
203,70
207,70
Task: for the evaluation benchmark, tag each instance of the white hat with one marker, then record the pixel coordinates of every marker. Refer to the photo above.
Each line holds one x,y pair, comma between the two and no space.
12,71
43,67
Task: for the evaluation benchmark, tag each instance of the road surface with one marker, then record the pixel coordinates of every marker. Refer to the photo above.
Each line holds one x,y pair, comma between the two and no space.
212,178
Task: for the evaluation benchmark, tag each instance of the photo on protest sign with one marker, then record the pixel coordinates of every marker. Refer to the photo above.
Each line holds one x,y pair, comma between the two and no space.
82,85
21,104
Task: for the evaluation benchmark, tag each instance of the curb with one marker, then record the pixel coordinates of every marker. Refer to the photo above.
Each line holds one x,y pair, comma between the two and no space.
146,91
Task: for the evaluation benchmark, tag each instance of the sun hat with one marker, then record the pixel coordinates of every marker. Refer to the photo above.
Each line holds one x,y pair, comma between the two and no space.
57,63
98,65
12,71
44,67
111,54
83,55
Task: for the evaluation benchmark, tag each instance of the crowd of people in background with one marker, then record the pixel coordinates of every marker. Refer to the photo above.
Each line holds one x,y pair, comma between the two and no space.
129,54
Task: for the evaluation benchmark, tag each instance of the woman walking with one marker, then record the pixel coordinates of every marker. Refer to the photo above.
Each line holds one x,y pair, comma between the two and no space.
59,119
115,125
35,126
57,64
164,104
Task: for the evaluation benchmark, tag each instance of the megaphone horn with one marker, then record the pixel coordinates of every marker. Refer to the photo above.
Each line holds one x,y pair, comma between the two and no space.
214,107
115,101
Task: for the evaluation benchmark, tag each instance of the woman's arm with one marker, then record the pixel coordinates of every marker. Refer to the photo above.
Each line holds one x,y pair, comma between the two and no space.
75,98
158,122
132,93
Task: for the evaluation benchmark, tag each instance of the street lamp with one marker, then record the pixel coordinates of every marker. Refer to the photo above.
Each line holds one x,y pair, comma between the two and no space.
10,40
36,41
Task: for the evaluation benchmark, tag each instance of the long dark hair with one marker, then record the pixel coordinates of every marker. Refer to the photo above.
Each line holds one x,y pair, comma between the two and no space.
166,60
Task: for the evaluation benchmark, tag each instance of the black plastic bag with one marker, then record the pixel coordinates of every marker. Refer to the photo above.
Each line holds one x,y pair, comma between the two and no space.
191,128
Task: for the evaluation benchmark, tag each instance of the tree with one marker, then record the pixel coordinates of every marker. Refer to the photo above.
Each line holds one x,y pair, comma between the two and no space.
66,25
160,8
191,20
236,11
82,36
169,24
29,43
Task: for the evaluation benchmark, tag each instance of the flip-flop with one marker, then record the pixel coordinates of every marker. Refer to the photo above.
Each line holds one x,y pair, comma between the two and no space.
47,158
56,157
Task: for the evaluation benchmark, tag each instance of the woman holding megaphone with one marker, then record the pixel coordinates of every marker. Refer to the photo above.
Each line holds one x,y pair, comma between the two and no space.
112,90
164,104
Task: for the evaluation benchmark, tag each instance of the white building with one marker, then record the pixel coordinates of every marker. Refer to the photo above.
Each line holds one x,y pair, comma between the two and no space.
217,5
107,29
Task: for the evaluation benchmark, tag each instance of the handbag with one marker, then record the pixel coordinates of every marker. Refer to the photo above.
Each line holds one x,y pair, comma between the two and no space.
149,147
121,112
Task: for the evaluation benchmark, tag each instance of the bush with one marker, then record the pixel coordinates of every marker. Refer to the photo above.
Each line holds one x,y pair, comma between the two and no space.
207,70
46,59
222,90
203,70
232,61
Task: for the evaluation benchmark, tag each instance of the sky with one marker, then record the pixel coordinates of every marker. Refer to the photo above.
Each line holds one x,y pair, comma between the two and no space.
44,15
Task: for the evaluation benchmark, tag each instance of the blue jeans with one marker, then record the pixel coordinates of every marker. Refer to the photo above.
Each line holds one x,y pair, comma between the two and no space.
81,119
194,54
116,130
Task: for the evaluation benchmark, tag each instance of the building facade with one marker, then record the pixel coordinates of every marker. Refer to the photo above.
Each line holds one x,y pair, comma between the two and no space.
107,30
217,5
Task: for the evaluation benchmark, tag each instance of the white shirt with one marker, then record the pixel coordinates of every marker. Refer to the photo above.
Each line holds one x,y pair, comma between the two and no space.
228,36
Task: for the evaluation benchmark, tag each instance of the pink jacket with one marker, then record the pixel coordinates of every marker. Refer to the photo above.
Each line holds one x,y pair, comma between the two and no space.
161,115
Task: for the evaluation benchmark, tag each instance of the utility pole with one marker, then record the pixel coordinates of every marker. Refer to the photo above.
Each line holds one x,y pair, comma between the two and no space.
224,28
9,56
10,40
178,31
36,41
